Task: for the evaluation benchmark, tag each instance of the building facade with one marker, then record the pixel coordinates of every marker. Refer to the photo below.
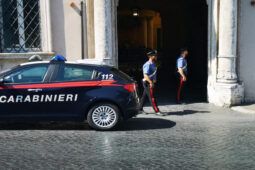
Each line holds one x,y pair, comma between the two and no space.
48,27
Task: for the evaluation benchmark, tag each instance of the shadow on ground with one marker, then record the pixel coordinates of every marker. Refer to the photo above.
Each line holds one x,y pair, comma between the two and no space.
179,113
146,124
44,126
185,112
130,125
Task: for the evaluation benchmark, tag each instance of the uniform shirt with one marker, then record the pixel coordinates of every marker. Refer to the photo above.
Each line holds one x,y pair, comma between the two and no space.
182,63
150,69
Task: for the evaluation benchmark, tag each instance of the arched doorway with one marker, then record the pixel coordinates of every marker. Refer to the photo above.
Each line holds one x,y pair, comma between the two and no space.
166,26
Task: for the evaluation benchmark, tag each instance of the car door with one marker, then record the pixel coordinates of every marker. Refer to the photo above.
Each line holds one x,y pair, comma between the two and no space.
22,89
73,85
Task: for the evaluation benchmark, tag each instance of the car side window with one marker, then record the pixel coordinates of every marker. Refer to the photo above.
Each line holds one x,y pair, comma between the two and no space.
34,74
74,73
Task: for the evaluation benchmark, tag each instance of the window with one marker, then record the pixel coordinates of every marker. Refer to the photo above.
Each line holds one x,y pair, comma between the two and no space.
75,73
20,26
33,74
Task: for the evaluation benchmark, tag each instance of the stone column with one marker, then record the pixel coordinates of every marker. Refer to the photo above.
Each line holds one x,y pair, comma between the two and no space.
115,4
103,31
227,90
227,42
45,14
90,28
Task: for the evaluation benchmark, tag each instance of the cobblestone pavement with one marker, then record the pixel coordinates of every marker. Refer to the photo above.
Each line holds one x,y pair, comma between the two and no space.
192,136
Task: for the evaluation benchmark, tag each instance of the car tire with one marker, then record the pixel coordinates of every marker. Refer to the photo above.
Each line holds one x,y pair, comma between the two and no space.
104,116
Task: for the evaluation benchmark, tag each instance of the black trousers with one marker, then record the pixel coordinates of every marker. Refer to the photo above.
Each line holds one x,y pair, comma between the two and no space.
148,92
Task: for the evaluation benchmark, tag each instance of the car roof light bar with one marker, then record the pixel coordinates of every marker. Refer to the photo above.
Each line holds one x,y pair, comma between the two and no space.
58,58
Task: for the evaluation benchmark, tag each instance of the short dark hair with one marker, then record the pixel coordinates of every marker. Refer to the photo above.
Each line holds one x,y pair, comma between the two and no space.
182,50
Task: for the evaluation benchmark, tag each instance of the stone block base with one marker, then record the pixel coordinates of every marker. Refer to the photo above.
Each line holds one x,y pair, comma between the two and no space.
226,95
9,60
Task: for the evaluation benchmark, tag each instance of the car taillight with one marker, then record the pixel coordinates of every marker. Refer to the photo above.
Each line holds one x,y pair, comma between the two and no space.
130,87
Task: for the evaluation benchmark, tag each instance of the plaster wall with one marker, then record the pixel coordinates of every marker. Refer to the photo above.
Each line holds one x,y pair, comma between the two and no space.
246,49
66,28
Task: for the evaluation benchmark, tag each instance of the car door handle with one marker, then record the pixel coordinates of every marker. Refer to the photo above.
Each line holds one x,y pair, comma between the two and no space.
34,90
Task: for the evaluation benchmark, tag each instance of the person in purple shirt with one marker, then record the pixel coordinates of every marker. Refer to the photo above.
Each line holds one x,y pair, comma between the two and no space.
182,72
149,80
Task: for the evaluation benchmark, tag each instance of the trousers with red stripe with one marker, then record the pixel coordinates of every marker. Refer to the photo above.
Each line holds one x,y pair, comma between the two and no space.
149,92
181,85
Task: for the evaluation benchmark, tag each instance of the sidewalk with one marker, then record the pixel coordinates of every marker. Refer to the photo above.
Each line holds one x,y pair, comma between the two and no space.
248,108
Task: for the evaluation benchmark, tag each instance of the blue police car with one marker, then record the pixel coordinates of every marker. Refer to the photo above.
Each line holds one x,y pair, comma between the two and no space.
67,91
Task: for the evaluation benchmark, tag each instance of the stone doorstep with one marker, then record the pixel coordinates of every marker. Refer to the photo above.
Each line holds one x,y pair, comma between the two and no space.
247,109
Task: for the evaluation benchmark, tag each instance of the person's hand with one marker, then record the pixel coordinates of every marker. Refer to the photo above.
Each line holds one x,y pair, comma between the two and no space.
151,85
184,78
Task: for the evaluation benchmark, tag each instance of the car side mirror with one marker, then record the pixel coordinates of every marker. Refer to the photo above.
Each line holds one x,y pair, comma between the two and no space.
1,81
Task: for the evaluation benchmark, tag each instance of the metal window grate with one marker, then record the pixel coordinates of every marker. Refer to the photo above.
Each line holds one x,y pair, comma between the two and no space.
20,26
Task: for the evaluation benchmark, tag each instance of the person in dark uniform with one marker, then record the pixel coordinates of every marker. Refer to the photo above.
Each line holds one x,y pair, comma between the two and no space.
149,80
182,72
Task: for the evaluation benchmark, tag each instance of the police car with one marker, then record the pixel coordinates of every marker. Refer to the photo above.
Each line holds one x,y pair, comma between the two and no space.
67,91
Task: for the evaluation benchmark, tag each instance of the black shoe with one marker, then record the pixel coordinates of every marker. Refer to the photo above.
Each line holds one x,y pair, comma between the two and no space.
140,112
160,114
146,113
180,102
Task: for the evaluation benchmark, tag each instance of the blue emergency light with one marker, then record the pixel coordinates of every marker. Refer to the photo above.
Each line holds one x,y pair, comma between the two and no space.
58,58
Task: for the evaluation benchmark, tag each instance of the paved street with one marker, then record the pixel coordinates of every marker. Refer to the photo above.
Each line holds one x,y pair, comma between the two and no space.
192,136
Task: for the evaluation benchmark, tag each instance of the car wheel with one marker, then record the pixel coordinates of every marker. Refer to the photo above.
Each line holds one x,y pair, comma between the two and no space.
103,116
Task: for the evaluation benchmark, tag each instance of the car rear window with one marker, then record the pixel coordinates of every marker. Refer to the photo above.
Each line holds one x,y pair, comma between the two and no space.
121,75
74,73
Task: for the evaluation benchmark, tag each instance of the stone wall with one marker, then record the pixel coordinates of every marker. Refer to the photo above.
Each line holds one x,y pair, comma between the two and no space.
65,29
10,60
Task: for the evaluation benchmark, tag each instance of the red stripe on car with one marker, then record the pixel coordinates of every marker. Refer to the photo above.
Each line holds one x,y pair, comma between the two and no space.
61,85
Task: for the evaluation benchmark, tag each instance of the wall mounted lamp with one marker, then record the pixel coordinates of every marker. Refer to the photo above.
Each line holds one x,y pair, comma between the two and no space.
135,12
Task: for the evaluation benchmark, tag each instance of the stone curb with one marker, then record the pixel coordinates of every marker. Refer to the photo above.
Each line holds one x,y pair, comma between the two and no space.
243,110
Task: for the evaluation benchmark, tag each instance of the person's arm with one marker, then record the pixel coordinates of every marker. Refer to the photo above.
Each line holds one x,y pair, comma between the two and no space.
146,69
147,78
180,70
